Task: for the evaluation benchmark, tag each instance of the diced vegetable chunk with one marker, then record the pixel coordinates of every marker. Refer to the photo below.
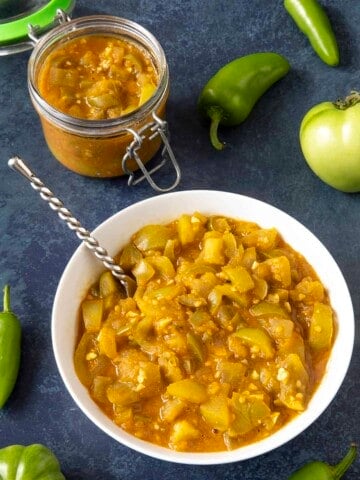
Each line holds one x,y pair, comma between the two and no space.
171,409
152,237
121,393
268,308
240,278
216,412
183,431
258,340
185,230
231,372
143,272
294,382
108,284
107,342
92,312
249,411
213,251
189,390
321,327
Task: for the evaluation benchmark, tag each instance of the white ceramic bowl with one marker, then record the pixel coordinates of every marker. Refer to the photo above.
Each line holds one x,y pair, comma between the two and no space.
83,269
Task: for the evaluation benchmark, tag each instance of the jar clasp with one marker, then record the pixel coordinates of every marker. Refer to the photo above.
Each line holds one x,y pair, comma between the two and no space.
155,128
34,30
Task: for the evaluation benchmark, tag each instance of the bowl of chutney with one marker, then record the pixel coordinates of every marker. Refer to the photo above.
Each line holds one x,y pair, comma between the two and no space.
237,339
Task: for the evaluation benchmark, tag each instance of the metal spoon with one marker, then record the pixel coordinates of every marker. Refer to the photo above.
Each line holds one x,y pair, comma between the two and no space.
92,244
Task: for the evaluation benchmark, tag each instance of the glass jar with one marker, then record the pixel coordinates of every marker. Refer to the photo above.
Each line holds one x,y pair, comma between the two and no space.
107,147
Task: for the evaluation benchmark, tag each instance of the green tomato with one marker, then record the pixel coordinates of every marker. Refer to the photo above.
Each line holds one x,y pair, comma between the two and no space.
32,462
330,142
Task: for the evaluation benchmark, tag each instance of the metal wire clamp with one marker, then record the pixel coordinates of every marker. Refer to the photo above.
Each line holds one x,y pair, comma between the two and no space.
153,129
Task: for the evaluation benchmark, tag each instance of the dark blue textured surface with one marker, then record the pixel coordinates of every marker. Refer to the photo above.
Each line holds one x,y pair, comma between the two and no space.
262,159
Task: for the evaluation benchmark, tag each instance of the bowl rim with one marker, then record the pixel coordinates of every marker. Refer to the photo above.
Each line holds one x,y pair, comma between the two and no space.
326,391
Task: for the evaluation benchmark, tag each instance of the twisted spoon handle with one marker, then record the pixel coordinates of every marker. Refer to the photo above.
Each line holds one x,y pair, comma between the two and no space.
84,235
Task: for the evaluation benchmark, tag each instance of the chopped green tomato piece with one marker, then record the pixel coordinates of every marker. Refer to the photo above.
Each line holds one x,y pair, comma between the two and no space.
230,372
280,329
217,293
177,342
152,237
107,284
293,344
216,412
262,239
170,249
199,318
213,251
165,293
189,390
106,100
130,256
122,393
107,342
99,388
143,329
183,431
162,265
86,344
257,340
196,346
63,77
240,278
268,308
148,379
170,366
143,272
230,245
111,301
280,270
122,414
192,300
249,411
249,257
185,230
294,382
171,409
197,269
321,327
92,312
219,224
308,291
260,287
147,92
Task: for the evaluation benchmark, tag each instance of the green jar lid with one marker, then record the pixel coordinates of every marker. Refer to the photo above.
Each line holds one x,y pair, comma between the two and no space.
17,15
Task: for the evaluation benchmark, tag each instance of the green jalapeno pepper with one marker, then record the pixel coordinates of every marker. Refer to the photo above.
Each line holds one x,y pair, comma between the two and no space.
323,471
32,462
230,95
312,20
10,344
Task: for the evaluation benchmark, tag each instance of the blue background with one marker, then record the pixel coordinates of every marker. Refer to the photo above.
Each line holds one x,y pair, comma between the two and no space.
262,160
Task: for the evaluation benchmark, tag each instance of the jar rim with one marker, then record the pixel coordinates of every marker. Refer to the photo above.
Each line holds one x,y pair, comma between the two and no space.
100,25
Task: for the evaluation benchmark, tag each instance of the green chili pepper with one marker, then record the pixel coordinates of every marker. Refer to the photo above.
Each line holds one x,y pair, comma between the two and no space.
323,471
230,95
10,340
312,20
33,462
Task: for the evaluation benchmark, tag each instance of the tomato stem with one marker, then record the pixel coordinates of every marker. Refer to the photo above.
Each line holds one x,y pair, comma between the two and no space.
352,99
